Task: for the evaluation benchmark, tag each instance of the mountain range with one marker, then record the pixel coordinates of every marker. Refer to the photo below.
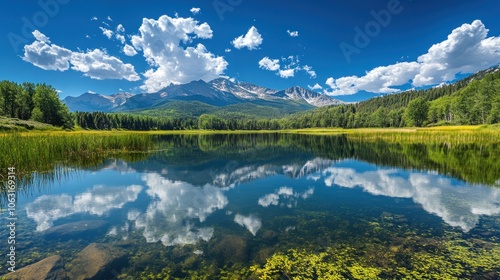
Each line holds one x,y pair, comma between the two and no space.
219,94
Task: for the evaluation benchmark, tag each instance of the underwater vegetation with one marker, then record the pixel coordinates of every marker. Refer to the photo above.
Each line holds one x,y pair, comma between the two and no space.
383,249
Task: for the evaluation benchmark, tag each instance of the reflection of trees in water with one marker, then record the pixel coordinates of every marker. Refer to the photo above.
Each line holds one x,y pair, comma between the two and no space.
471,162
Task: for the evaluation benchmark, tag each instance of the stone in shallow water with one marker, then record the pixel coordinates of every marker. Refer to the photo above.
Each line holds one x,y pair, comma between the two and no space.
48,268
72,229
230,249
97,261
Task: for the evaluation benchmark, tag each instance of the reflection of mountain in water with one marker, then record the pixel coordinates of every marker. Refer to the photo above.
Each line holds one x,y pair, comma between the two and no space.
211,154
225,173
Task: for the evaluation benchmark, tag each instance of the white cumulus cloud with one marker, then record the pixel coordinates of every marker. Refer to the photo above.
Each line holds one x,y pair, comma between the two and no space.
129,50
286,73
120,38
195,11
293,33
252,40
106,32
269,64
163,43
96,64
309,70
467,49
45,55
120,28
290,67
379,80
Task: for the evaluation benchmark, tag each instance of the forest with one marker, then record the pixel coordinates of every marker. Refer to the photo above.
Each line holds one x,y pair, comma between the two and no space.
39,103
472,101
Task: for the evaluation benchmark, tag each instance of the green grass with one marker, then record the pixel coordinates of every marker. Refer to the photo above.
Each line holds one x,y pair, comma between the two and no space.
252,109
17,125
442,134
48,152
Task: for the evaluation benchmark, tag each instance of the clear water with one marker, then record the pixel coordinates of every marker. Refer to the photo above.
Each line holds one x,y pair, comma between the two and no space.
230,204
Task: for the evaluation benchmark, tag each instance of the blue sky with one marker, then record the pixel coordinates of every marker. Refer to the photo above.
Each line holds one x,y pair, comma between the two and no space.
352,50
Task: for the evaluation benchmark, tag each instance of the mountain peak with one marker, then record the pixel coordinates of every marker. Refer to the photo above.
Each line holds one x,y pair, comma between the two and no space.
218,92
313,98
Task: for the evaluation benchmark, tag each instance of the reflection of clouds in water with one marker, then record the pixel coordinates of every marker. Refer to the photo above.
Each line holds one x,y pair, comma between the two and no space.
122,231
174,204
98,201
269,199
120,166
47,209
102,199
290,197
132,215
314,177
253,224
381,182
458,206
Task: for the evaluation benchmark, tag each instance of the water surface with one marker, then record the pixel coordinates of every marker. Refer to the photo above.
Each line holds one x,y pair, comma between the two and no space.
217,205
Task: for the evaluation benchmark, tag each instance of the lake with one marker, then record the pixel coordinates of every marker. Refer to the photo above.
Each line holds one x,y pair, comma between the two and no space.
269,206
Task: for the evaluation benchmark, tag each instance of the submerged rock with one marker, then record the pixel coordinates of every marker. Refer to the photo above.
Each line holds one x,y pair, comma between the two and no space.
490,276
230,249
72,229
48,268
97,261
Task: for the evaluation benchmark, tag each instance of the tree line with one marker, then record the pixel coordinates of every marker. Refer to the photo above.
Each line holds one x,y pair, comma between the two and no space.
108,121
37,102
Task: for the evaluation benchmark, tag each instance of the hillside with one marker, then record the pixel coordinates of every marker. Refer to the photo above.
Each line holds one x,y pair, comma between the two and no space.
255,109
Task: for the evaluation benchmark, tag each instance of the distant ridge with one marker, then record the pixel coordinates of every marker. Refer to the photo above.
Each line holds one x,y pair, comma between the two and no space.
220,92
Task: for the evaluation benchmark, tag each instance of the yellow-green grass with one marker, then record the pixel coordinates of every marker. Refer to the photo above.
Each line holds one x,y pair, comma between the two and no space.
17,125
40,152
444,134
461,128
